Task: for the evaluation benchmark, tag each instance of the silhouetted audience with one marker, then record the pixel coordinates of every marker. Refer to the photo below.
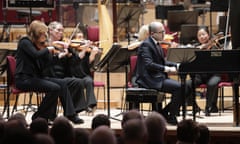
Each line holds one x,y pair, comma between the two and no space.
62,131
81,136
187,132
156,127
100,119
204,134
135,132
2,125
131,114
43,139
20,117
39,125
16,133
103,135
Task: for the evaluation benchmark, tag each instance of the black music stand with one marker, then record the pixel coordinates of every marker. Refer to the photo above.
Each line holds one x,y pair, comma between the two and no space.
176,18
112,61
181,55
162,10
129,17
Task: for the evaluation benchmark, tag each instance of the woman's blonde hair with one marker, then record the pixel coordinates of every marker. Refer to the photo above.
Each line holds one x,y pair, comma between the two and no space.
36,29
143,33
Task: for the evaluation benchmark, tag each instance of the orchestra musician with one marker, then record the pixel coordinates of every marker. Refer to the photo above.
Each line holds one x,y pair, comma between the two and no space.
142,35
60,68
81,65
31,57
211,80
152,71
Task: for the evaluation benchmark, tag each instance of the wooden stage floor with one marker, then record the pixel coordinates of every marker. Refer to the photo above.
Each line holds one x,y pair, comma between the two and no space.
214,122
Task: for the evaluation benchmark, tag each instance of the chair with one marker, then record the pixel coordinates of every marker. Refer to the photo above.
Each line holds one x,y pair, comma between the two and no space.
93,33
136,95
98,85
11,89
223,83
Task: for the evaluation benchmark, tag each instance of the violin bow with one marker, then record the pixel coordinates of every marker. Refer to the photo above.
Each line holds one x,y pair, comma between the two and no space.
74,31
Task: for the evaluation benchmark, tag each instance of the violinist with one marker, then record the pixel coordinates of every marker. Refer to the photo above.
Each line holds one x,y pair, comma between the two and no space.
59,68
31,57
206,42
81,66
211,80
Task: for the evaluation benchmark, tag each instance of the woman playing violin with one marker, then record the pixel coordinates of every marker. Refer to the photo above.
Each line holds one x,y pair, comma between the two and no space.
31,51
205,40
81,66
62,65
211,80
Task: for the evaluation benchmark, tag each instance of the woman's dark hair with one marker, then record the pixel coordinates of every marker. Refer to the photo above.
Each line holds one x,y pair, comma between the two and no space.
205,28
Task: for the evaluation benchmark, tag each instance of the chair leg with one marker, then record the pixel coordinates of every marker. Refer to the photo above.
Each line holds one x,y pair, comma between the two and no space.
15,104
222,99
123,104
97,92
5,102
104,97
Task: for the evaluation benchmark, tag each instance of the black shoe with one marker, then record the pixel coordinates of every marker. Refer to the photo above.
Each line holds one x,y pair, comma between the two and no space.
75,119
197,109
169,118
35,115
207,111
213,109
172,120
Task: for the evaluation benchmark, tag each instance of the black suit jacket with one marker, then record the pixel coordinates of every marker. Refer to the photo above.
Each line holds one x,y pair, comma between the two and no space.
150,65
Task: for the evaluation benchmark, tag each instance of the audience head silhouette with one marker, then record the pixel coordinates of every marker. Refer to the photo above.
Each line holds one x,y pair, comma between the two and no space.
187,131
132,114
81,136
100,119
16,133
43,139
62,131
156,127
103,135
135,132
39,125
204,134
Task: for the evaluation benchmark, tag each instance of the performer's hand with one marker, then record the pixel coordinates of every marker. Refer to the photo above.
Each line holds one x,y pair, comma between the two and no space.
178,64
170,69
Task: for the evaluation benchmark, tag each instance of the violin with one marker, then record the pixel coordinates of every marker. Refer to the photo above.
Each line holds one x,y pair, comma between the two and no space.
43,43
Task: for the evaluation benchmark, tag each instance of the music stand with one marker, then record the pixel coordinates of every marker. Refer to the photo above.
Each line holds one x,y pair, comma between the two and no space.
128,17
181,55
176,18
188,34
113,60
162,10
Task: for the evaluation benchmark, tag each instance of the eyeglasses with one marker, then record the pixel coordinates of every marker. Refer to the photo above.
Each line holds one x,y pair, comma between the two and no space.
162,32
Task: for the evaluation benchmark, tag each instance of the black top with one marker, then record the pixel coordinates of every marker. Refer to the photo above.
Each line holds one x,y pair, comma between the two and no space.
28,57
